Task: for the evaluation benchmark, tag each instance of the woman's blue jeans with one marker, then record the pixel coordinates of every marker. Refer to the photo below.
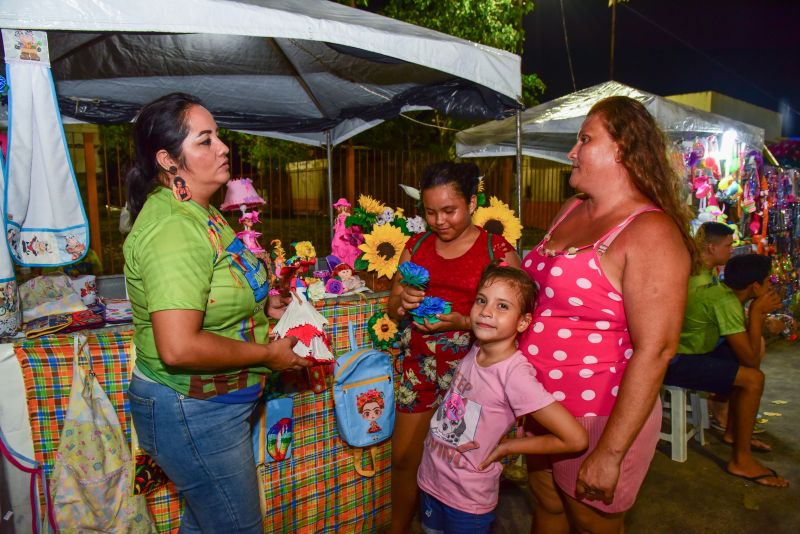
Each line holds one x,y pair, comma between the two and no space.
205,449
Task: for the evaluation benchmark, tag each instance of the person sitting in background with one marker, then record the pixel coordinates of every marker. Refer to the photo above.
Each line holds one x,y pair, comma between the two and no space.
730,367
715,243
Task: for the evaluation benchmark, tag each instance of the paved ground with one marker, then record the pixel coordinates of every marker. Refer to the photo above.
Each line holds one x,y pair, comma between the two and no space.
698,496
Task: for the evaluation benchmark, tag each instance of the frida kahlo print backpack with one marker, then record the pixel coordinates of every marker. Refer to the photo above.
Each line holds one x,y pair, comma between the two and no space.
363,394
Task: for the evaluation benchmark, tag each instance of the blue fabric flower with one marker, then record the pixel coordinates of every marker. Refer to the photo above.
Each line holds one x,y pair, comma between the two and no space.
414,275
429,308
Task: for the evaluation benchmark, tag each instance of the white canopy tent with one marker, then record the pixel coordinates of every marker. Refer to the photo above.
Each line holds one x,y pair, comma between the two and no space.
310,71
548,130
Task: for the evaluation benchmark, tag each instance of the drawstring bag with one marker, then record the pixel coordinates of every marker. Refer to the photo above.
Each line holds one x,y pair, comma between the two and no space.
93,475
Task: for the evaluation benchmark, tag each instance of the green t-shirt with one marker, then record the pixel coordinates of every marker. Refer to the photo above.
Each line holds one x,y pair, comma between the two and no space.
712,312
705,278
180,256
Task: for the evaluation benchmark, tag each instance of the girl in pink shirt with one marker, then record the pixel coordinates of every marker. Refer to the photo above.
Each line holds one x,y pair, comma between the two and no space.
493,385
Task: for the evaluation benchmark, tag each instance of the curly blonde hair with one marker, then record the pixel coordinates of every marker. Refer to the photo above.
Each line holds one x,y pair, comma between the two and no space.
643,153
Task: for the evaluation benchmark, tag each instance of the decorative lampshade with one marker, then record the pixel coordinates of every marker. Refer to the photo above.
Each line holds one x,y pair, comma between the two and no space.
241,194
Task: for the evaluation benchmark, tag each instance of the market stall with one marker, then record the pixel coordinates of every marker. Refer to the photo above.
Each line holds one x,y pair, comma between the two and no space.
725,174
548,130
315,489
314,72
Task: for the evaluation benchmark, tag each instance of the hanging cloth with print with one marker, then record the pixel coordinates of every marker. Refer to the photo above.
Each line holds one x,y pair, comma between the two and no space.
45,223
93,474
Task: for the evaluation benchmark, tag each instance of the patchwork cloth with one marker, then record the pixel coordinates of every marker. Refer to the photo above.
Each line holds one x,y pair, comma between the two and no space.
315,490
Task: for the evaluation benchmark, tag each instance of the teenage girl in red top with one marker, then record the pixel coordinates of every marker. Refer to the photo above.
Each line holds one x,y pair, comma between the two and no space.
455,252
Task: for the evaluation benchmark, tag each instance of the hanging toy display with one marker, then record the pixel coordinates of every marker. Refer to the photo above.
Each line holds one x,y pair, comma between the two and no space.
730,183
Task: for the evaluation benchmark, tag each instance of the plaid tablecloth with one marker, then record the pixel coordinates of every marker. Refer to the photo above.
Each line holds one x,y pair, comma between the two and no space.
316,490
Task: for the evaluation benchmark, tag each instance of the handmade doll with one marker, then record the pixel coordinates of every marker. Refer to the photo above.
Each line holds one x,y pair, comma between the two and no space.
345,240
302,320
249,236
350,281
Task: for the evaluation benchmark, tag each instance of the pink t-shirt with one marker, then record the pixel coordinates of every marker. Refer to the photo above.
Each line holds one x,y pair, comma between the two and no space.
479,409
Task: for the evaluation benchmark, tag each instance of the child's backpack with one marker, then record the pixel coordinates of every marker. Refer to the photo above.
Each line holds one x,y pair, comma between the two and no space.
363,394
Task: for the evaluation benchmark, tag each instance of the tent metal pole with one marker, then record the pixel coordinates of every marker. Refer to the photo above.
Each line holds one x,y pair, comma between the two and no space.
329,144
519,174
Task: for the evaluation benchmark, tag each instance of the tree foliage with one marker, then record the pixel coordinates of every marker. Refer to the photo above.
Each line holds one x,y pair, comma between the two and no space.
495,23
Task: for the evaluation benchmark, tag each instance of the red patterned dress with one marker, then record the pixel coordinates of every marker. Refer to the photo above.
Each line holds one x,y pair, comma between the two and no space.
428,361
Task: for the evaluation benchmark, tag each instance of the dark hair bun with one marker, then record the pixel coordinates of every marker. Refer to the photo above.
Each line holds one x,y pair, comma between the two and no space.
463,176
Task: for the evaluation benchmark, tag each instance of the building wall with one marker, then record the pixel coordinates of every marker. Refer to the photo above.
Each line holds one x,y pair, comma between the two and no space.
735,109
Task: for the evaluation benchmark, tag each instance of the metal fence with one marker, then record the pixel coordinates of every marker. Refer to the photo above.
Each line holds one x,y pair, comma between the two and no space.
296,192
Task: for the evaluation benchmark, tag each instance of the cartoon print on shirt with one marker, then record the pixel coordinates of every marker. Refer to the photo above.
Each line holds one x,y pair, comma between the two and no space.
456,420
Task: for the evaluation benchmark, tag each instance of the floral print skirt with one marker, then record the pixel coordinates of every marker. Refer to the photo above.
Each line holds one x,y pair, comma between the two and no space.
427,364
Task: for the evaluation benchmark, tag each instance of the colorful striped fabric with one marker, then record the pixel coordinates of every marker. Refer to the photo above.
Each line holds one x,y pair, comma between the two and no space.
46,365
317,489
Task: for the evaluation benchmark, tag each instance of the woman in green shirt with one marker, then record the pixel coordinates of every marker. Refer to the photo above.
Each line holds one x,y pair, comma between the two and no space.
198,298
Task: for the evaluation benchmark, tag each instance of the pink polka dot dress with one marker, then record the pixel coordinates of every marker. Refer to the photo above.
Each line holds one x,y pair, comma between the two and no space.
578,343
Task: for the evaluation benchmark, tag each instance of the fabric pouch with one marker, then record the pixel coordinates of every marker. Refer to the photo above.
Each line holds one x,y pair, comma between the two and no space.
83,320
49,294
272,431
91,479
47,325
149,477
117,310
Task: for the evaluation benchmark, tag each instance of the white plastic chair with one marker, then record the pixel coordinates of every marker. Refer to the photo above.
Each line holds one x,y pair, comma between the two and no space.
681,415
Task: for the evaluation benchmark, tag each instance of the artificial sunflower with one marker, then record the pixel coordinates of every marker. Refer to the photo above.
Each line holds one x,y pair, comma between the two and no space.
370,205
382,248
499,219
382,331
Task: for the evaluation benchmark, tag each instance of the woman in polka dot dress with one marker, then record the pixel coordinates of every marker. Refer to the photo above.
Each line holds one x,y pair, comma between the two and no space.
612,274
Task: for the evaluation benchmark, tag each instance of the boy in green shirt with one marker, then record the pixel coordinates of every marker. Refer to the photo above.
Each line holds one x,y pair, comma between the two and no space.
731,366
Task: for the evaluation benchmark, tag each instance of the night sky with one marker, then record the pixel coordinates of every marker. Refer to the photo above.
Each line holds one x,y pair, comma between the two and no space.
746,49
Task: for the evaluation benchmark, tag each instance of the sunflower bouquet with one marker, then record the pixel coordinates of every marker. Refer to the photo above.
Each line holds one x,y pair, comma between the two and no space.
386,231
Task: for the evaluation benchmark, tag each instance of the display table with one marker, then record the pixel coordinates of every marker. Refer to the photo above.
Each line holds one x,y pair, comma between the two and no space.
316,489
